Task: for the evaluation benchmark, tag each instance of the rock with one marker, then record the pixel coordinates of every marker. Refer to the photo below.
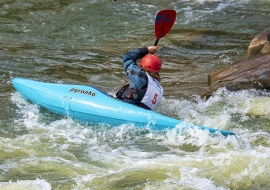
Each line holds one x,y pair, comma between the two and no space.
252,72
266,47
259,44
246,74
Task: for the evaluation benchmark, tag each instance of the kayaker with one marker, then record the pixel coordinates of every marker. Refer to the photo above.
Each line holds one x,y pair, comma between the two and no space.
143,88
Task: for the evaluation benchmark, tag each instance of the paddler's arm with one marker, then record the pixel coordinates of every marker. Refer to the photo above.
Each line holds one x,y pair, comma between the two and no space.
130,58
136,77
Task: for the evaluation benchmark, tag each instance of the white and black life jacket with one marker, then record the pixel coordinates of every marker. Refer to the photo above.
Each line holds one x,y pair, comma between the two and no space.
147,97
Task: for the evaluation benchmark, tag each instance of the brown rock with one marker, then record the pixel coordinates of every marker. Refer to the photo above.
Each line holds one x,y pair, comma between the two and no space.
252,72
246,74
259,44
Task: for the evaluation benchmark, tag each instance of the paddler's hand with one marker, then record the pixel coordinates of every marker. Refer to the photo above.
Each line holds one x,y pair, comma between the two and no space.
152,49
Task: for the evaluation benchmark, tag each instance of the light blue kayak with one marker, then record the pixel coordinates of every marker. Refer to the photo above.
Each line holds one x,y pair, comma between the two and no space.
90,104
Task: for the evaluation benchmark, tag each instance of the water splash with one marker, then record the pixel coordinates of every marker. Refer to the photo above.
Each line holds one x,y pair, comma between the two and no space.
38,184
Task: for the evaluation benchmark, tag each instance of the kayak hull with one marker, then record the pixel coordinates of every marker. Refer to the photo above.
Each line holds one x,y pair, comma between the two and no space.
90,104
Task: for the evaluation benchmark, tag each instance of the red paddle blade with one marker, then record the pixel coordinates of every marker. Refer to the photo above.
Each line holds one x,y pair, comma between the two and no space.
164,22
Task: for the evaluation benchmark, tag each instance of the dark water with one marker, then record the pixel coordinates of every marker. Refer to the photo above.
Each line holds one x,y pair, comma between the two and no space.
82,42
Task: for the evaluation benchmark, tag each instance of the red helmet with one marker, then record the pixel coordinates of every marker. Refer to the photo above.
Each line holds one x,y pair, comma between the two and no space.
151,63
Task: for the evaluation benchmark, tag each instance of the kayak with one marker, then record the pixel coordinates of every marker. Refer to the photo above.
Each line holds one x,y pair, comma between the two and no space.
91,104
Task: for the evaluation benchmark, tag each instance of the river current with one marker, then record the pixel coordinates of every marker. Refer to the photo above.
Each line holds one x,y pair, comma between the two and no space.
82,42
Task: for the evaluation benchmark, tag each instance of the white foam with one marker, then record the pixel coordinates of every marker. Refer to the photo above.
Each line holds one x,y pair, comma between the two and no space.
127,147
30,111
189,178
38,184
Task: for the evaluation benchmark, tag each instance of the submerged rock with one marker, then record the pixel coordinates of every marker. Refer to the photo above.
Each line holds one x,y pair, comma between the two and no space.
260,106
250,73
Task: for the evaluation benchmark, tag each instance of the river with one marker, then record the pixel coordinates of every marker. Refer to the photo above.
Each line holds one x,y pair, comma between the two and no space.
82,42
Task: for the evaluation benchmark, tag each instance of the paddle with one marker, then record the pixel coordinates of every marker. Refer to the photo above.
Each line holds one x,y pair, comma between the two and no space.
164,22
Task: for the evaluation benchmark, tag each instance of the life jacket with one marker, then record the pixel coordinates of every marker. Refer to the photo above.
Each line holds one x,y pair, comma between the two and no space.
154,93
147,97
